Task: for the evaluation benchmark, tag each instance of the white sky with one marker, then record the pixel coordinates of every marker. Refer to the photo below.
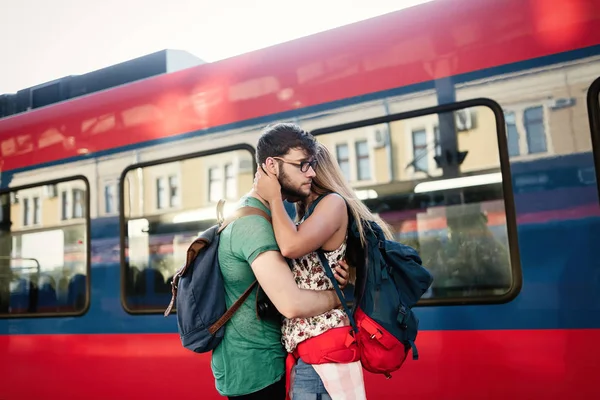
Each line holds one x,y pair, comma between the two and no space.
42,40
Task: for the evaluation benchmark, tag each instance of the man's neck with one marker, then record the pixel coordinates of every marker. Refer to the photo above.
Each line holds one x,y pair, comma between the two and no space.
307,200
253,193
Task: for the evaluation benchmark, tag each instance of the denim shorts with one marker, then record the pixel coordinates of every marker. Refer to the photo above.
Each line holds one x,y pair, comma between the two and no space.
307,383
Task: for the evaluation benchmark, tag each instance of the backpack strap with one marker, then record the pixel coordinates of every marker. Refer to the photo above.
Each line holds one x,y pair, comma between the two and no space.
231,310
338,291
326,265
243,212
239,213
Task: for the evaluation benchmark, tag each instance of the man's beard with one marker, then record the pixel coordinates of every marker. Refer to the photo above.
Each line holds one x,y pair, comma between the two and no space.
290,193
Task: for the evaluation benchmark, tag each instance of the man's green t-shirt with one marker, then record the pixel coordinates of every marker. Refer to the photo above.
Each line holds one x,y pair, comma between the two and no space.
250,357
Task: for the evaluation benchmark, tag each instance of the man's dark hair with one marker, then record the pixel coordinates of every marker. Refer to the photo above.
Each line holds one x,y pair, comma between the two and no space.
276,140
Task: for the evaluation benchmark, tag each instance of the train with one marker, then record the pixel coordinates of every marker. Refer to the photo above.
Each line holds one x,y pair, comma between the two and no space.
471,127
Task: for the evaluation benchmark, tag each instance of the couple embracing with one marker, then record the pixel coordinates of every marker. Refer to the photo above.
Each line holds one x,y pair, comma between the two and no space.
308,328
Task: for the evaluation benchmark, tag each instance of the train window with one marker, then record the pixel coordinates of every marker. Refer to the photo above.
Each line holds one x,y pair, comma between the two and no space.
593,103
165,206
44,259
437,180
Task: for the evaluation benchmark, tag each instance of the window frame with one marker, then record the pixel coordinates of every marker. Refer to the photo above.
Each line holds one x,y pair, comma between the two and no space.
423,146
110,183
26,212
88,257
509,203
76,203
220,182
593,105
229,179
359,157
123,222
345,160
520,123
161,192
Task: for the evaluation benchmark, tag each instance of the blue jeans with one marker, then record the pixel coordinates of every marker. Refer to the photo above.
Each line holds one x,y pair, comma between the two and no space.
307,383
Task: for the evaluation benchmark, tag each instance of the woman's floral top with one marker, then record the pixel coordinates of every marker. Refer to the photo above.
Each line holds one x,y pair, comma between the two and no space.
310,274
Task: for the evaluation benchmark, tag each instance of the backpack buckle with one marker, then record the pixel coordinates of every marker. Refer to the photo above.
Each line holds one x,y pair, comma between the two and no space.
377,334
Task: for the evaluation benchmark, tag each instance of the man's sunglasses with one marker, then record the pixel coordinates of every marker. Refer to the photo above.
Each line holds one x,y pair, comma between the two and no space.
303,165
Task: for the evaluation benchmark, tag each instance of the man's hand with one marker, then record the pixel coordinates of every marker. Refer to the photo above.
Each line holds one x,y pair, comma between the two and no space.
276,279
341,272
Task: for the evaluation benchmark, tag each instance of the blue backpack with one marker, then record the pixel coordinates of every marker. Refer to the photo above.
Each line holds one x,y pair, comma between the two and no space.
390,281
198,289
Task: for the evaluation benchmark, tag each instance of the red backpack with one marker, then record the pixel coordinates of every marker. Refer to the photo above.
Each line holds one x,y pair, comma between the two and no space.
389,284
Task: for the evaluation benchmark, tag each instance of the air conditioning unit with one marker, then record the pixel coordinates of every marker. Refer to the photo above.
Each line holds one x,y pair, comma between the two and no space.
245,166
557,104
14,198
50,191
379,136
464,120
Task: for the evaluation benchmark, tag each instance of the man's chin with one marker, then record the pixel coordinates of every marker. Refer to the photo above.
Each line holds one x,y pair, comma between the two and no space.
296,197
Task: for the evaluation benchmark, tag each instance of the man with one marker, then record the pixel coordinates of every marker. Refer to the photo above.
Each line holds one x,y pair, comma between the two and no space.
249,362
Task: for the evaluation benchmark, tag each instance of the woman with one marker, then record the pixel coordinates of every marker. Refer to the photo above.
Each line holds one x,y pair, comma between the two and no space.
325,229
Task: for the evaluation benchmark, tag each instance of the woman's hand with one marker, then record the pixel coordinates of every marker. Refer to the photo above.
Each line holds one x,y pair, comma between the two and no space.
341,272
266,185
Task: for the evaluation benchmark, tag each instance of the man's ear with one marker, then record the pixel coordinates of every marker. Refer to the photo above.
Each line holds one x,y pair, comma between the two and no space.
272,166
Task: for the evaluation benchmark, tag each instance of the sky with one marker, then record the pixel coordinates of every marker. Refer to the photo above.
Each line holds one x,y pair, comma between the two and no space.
42,40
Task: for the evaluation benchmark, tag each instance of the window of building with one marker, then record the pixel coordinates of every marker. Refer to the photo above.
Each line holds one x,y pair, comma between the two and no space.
44,271
215,184
72,203
512,134
36,211
222,183
230,182
161,193
167,192
110,198
363,162
420,153
533,118
343,159
459,217
526,130
156,239
78,200
26,212
173,191
65,205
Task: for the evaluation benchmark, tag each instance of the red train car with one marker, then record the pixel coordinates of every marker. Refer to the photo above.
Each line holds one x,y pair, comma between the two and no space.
471,126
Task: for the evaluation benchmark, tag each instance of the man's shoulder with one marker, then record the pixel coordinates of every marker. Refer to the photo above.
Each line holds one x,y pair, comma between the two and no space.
251,228
251,218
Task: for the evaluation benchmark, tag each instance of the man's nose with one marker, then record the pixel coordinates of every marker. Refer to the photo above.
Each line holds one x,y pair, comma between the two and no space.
311,172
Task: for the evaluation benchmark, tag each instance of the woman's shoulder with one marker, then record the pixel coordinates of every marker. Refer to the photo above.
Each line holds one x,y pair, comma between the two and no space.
331,199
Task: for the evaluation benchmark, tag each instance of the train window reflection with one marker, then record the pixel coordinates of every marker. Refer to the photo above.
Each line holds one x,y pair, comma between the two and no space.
436,179
165,207
44,250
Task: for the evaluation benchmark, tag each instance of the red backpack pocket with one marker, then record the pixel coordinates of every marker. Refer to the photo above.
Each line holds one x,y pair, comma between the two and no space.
380,351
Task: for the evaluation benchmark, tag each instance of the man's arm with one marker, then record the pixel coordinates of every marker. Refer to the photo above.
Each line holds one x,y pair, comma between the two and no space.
276,279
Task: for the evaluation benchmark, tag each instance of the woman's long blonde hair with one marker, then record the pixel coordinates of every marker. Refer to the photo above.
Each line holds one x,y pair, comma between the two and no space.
330,179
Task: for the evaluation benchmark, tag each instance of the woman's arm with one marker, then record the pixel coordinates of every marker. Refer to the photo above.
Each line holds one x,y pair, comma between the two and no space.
315,231
294,242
